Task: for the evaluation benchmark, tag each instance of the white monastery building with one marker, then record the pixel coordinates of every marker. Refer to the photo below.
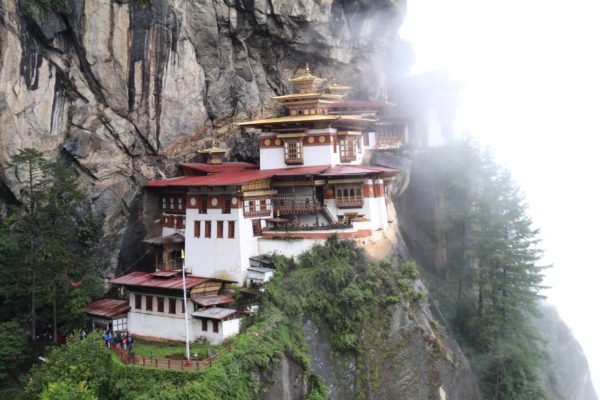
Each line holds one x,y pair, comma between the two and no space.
312,183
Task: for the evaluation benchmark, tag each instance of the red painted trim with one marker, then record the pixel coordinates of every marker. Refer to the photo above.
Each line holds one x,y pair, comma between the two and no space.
362,233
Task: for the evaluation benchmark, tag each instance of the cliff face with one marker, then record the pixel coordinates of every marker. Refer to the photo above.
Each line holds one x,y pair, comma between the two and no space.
113,88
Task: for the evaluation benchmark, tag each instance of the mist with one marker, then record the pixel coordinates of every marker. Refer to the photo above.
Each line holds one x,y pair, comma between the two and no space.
532,93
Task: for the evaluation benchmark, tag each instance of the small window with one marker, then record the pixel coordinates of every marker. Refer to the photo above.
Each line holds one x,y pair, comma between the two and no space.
220,229
215,325
207,229
172,306
204,324
203,204
231,233
149,301
138,301
160,304
182,306
197,229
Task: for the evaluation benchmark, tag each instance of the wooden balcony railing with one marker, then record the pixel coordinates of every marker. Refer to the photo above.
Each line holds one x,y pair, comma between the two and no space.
295,204
349,202
257,213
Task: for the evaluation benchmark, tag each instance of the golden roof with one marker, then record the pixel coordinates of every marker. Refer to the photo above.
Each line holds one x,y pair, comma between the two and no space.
335,87
307,77
213,150
295,96
307,118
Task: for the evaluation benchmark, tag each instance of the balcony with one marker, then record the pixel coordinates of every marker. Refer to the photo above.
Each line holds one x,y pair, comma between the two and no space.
257,213
349,202
296,204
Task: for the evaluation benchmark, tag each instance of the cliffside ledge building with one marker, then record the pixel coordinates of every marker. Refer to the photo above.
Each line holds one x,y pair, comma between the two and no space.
312,182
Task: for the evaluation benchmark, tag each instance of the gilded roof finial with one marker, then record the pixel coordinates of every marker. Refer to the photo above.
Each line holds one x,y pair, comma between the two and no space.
307,69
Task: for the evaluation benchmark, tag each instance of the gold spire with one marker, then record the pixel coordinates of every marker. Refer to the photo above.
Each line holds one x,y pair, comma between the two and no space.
307,69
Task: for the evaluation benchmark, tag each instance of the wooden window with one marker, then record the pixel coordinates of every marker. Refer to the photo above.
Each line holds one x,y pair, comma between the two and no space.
204,324
180,222
220,229
172,306
215,325
231,231
197,229
347,149
207,229
149,301
160,304
349,197
173,204
293,153
226,205
256,230
182,306
138,301
257,207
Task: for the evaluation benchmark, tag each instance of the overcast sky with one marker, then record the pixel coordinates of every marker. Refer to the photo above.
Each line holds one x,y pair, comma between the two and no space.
532,74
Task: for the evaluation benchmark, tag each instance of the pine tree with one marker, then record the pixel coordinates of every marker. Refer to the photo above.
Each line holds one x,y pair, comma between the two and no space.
493,249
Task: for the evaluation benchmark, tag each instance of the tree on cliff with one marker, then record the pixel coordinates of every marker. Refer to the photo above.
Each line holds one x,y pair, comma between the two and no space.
49,244
493,252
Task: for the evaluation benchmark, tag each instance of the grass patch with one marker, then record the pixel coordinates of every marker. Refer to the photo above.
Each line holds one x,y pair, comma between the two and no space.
172,350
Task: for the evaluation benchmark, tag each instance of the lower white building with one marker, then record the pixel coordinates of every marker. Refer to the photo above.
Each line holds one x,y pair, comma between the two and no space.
157,309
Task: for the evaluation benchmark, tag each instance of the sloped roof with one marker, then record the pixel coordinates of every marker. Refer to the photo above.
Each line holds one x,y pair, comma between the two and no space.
357,170
107,308
147,279
207,301
214,313
174,238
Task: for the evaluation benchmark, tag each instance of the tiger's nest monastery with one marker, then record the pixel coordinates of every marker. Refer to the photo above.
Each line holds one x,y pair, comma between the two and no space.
312,183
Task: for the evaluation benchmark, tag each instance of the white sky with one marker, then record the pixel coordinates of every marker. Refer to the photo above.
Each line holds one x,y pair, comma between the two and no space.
532,70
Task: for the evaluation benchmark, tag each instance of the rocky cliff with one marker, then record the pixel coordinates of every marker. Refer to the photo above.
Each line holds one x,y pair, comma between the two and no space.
122,89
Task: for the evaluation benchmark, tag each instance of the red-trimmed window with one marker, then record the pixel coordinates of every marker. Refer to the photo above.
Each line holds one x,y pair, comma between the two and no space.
160,304
197,229
138,301
172,306
149,301
207,229
220,229
215,325
204,324
231,233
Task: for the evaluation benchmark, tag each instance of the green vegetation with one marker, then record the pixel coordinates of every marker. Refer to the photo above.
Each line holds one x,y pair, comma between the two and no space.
164,350
491,284
47,272
333,283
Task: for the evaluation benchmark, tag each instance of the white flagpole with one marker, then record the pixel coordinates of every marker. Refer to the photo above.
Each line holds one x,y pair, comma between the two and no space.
185,310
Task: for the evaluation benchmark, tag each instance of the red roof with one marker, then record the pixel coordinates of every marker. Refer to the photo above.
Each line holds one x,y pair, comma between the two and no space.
225,167
316,169
218,179
357,170
239,177
147,279
235,177
107,308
